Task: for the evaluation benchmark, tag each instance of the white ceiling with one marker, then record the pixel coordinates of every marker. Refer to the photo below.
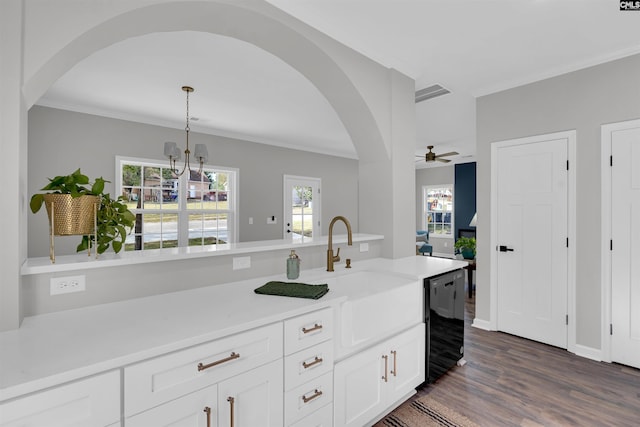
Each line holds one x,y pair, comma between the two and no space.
471,47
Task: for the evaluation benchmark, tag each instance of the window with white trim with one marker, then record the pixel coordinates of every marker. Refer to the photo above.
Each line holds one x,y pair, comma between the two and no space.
175,211
437,208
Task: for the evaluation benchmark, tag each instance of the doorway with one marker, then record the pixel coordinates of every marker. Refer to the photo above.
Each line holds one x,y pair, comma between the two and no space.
301,207
532,260
621,242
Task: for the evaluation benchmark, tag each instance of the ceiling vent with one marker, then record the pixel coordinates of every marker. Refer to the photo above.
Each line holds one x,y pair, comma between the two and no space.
430,92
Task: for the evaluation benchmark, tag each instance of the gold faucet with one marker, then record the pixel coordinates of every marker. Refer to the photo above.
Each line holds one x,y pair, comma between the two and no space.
330,258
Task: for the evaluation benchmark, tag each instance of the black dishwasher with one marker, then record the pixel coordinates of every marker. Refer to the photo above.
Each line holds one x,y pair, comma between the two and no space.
444,319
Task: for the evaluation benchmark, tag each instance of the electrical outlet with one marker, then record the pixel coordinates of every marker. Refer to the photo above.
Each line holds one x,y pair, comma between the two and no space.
446,244
364,247
241,262
250,220
67,285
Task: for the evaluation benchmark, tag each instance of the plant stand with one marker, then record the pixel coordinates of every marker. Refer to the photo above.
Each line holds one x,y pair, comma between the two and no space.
71,217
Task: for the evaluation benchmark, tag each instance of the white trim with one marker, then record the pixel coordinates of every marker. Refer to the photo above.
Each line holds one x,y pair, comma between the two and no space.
588,352
570,136
606,139
482,324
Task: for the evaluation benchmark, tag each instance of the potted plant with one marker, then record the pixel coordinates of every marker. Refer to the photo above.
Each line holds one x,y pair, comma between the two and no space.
466,246
74,207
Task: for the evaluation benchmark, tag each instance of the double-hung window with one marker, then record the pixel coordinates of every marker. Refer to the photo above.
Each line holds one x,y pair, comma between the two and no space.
438,210
194,209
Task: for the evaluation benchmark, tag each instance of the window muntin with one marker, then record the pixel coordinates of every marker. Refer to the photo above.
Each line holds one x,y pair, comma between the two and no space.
191,210
438,210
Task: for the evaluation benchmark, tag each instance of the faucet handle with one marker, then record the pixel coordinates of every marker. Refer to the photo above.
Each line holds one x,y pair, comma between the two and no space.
336,258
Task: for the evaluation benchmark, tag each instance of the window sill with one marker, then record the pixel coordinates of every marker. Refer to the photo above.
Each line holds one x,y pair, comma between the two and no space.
83,262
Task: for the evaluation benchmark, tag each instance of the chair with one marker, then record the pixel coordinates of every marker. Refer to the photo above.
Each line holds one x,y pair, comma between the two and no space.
422,243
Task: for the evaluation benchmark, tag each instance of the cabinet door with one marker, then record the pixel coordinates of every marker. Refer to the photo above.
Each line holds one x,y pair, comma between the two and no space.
254,398
358,393
406,362
91,402
198,409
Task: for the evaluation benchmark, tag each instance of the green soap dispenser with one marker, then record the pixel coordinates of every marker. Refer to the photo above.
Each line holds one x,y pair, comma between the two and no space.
293,266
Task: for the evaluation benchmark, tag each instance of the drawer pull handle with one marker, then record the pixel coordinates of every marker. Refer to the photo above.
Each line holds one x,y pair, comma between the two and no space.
317,360
207,410
395,368
316,393
232,356
386,368
316,327
231,401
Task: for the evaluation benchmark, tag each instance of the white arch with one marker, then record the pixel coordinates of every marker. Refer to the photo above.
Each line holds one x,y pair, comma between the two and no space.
264,31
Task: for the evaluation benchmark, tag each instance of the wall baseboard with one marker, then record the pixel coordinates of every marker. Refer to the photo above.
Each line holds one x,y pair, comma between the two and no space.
481,324
589,352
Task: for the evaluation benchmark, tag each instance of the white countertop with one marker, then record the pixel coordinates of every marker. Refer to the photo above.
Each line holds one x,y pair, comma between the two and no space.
53,348
81,261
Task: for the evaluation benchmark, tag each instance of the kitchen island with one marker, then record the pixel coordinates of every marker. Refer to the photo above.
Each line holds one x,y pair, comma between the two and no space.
113,345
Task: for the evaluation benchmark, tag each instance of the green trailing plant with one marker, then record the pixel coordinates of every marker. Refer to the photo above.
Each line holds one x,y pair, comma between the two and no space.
113,216
466,244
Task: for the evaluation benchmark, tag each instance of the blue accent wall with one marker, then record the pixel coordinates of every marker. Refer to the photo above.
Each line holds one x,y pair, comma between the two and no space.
464,195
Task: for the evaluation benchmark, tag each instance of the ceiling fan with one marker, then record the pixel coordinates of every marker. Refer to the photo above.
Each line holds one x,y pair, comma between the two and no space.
431,156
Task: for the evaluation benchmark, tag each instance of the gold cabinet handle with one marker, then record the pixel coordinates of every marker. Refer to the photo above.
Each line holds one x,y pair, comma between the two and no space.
317,360
386,368
207,410
316,393
316,327
395,368
231,401
232,356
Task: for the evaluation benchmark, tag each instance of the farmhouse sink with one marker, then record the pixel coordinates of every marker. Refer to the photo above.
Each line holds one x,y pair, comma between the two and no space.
377,306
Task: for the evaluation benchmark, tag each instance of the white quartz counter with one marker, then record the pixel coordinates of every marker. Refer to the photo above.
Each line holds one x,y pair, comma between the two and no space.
54,348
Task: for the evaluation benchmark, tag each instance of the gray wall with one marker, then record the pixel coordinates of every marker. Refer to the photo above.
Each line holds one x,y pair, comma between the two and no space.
581,100
442,175
62,141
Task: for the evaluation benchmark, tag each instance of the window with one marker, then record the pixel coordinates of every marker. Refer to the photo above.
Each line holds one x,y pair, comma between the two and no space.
438,210
191,210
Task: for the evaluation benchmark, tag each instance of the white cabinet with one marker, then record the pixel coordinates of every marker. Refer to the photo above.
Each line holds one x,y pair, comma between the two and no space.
162,379
198,409
308,367
252,399
93,401
372,381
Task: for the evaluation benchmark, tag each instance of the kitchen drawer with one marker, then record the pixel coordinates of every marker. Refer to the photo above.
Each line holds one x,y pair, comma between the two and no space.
307,398
307,364
323,417
90,402
155,381
307,330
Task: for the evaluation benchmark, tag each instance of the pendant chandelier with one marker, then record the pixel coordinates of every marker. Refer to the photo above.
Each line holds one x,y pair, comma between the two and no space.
172,151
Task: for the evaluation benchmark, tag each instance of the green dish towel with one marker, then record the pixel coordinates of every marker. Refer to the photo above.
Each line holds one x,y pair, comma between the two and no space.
292,289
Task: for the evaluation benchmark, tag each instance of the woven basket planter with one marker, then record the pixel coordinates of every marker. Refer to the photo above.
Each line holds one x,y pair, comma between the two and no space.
69,216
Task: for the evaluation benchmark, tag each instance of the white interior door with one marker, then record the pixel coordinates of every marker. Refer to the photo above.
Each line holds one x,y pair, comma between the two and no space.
625,254
532,233
301,207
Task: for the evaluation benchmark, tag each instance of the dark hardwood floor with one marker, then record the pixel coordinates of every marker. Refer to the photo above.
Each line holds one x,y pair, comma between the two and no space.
510,381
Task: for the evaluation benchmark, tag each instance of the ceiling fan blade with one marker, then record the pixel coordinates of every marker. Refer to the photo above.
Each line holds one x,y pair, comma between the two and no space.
442,160
450,153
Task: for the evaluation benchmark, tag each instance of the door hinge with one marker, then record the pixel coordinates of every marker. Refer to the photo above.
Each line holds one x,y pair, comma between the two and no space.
610,328
567,242
566,319
318,190
610,160
567,164
611,244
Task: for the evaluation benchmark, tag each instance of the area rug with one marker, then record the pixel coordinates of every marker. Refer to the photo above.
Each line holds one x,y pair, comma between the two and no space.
424,412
